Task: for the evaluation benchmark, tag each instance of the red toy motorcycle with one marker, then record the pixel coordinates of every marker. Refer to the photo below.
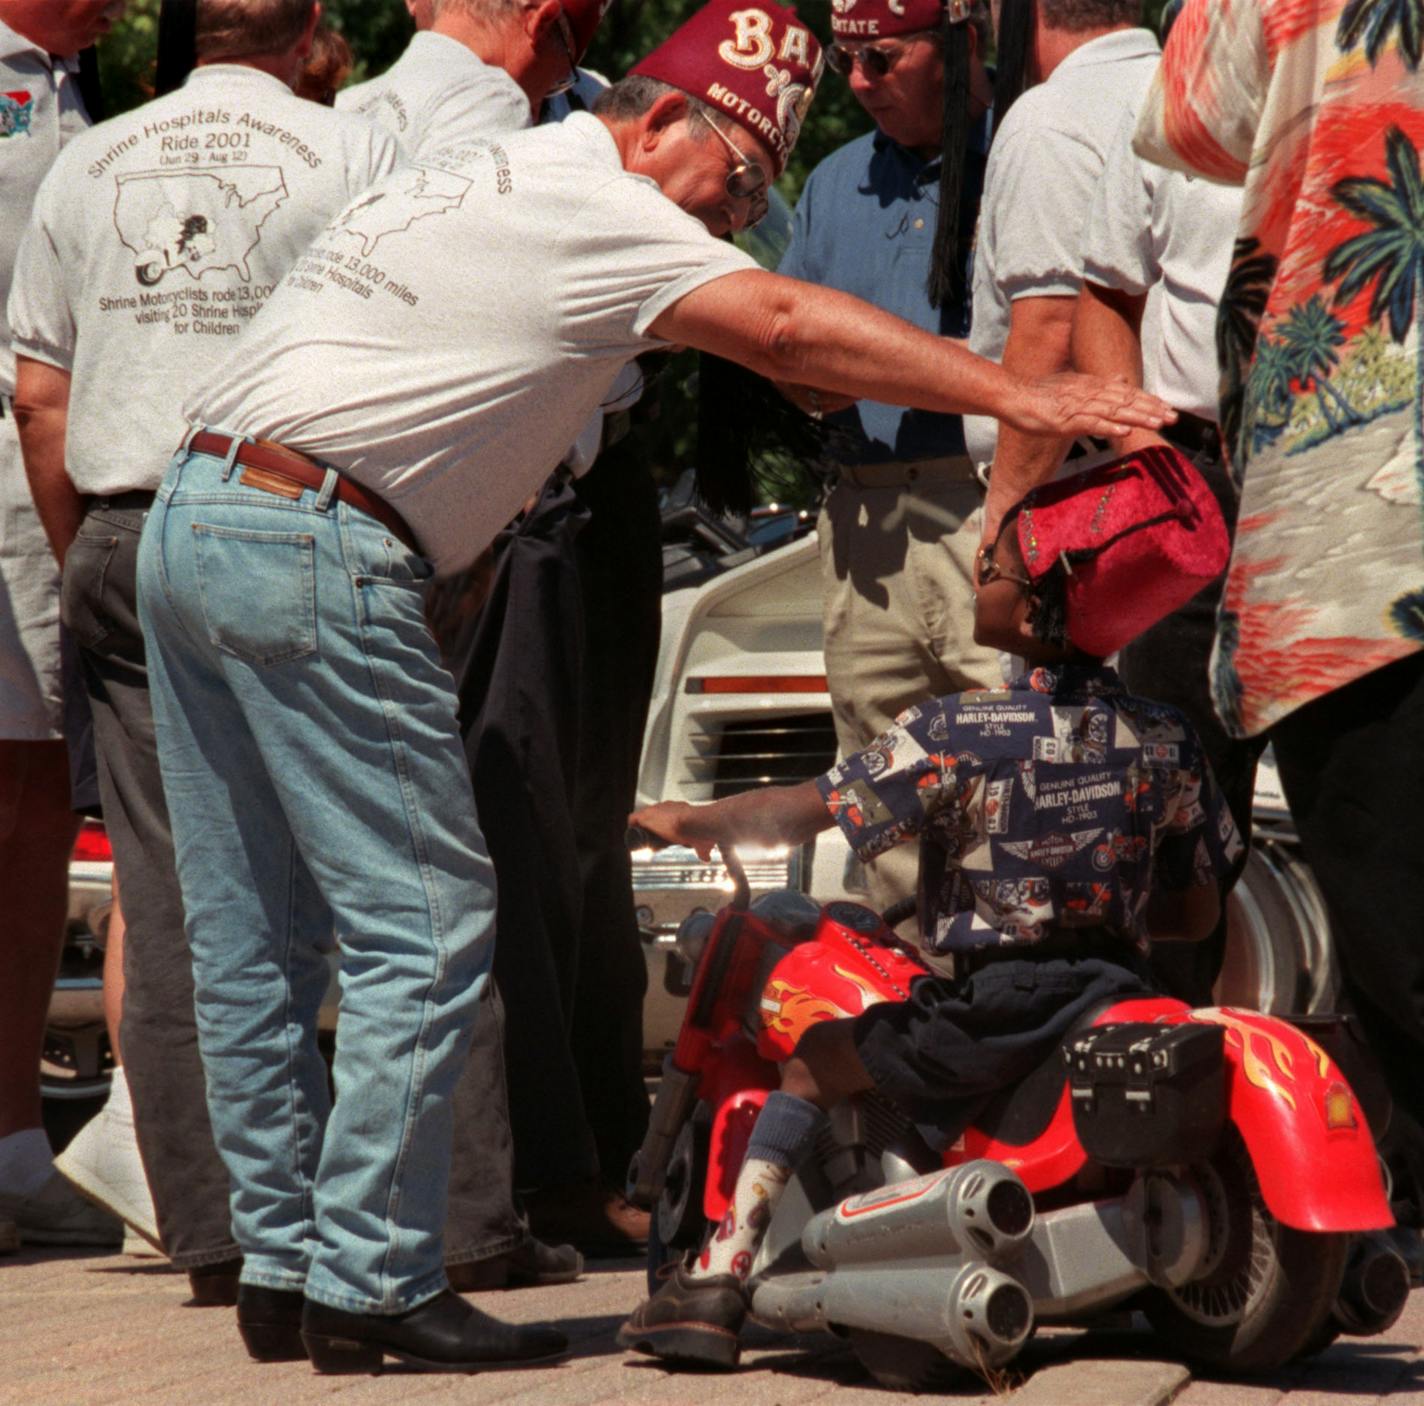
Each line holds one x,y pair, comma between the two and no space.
1213,1167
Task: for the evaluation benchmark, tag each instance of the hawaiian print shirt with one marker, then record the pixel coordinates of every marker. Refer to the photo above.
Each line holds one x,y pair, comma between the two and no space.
1317,107
1058,802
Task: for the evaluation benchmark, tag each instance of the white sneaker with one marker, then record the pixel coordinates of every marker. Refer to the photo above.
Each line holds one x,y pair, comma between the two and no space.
103,1162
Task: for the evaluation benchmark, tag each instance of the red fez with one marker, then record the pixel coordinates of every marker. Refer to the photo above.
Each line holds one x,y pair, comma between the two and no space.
880,19
583,17
1130,542
756,64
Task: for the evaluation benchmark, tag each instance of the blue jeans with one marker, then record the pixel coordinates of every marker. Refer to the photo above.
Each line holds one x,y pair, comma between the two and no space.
316,783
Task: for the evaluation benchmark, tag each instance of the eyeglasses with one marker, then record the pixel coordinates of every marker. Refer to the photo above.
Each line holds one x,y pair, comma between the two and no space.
990,570
874,62
566,37
746,180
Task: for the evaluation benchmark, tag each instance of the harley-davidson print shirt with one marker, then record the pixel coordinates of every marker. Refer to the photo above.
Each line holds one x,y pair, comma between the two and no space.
1060,801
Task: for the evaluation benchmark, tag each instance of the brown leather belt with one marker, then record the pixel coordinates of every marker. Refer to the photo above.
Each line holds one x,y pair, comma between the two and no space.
276,469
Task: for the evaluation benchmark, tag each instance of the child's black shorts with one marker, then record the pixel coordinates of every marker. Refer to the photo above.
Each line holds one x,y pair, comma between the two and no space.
942,1053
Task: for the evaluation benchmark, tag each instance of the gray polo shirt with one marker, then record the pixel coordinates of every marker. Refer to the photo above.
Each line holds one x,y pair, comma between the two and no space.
1155,229
1044,171
40,110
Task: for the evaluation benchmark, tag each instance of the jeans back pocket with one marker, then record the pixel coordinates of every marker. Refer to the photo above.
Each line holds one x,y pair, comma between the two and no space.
258,592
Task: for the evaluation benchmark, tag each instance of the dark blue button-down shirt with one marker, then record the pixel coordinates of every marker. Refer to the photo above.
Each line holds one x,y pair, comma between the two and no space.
1058,802
865,224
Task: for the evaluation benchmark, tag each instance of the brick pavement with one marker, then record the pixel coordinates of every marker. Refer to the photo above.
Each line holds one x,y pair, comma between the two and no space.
78,1330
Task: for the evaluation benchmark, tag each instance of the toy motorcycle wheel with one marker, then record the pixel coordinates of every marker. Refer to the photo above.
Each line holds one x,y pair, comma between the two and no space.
1265,1290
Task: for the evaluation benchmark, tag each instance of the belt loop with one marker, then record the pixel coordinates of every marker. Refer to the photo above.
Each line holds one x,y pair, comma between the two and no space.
328,490
193,432
234,448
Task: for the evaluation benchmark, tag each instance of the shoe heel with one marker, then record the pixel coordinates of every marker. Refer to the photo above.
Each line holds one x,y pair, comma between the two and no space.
337,1355
272,1342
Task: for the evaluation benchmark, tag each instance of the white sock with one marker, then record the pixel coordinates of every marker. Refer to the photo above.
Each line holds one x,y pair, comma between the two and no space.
732,1247
26,1161
120,1105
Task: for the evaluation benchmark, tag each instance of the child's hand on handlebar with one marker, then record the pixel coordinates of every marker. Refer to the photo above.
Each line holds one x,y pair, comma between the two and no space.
667,819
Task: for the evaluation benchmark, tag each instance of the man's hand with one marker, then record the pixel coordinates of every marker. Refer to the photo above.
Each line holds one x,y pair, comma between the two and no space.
666,820
1067,405
42,419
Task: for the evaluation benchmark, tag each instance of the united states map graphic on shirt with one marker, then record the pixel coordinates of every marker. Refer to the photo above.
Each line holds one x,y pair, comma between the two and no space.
192,222
416,193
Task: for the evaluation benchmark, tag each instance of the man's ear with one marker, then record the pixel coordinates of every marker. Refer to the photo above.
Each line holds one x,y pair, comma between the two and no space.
538,18
659,120
304,44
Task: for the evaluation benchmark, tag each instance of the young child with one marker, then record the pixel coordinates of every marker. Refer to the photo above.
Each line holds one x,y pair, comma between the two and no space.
1062,823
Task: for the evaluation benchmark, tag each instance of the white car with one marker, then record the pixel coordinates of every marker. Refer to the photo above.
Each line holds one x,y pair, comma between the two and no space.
740,700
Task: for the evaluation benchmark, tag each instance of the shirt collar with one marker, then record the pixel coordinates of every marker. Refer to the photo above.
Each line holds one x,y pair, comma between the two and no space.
1095,679
213,72
1116,47
926,166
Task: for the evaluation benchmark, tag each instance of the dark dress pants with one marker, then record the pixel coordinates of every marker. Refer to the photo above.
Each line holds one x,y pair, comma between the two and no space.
1352,764
1171,663
620,573
517,662
165,1074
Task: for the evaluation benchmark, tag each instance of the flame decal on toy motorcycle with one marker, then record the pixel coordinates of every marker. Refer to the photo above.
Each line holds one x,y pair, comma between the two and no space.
869,996
789,1010
1239,1032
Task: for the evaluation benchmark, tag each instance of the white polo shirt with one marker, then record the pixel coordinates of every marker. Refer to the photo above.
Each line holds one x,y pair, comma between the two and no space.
40,110
447,336
1151,228
157,236
438,92
1045,167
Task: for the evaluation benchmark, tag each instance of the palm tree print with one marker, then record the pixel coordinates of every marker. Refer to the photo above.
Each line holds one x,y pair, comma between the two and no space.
1243,303
1312,335
1391,256
1376,21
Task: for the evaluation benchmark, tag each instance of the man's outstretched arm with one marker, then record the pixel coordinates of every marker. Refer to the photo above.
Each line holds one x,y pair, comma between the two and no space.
42,419
770,815
791,331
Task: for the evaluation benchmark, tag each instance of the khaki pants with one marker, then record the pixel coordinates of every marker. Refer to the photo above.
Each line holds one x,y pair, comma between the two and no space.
897,562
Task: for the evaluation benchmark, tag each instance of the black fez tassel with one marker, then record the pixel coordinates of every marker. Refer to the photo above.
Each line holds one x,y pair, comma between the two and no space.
177,44
89,86
1015,45
946,276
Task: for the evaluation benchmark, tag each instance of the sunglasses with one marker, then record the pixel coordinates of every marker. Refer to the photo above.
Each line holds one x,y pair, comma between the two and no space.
990,570
746,180
874,63
566,37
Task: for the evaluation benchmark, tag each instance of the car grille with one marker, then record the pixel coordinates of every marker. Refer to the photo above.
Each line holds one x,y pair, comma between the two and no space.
740,754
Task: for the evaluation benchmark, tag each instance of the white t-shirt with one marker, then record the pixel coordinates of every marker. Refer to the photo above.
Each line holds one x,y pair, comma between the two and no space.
40,110
439,92
157,236
1044,171
1154,228
447,336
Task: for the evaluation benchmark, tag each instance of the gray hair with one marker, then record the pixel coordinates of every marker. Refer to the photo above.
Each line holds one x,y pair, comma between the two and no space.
631,97
1077,15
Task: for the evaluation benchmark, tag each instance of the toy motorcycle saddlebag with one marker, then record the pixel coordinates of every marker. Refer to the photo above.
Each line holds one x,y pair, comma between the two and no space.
1148,1095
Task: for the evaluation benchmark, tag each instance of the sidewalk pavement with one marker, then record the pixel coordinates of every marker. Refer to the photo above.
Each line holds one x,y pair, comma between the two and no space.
77,1330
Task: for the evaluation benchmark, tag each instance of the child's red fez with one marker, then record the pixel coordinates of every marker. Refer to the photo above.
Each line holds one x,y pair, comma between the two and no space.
756,64
853,20
1129,541
583,17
